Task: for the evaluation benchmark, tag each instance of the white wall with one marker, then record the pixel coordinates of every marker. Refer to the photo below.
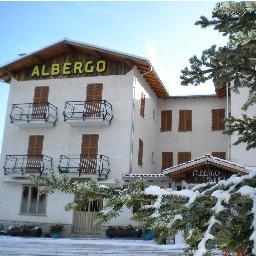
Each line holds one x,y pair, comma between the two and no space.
201,140
144,127
239,154
114,140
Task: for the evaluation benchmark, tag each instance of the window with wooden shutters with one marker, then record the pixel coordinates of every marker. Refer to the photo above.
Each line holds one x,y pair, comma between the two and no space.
35,144
89,151
142,105
40,102
184,157
93,100
34,158
94,92
167,160
185,120
221,155
166,120
140,153
218,116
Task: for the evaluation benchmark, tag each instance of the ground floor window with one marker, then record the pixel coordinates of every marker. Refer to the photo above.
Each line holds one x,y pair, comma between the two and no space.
32,202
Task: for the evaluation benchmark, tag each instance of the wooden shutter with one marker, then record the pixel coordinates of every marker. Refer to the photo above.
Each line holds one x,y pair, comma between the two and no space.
184,157
221,155
35,144
89,146
218,116
140,153
185,120
89,151
40,99
41,94
34,158
188,114
167,160
94,92
166,120
142,104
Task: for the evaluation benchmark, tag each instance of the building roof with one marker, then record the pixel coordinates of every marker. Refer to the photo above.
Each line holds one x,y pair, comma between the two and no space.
206,160
66,45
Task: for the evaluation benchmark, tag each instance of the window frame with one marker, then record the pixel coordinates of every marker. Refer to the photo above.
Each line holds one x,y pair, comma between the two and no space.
184,116
165,126
29,201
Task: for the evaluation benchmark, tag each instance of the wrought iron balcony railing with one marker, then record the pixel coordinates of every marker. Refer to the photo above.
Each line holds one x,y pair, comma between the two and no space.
83,165
21,165
88,110
31,112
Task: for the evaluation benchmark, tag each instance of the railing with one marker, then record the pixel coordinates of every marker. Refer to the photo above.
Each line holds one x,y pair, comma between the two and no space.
29,112
27,164
82,110
83,165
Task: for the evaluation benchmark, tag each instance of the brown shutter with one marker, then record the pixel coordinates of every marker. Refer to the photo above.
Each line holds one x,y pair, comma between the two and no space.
188,114
218,116
185,120
89,146
166,120
41,94
142,104
40,99
221,155
184,157
181,120
34,159
94,92
140,153
167,160
35,144
89,151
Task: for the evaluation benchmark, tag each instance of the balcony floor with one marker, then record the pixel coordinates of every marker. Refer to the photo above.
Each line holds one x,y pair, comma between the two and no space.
89,122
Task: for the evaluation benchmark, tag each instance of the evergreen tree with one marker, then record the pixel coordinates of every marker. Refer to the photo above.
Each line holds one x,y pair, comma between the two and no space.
221,215
234,62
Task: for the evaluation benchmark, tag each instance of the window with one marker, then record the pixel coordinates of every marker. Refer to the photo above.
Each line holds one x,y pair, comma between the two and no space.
140,153
32,201
142,105
166,120
185,120
218,116
184,157
221,155
167,160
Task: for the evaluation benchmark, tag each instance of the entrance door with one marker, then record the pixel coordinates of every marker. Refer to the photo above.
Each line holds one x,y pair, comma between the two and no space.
84,220
40,102
93,100
34,158
89,151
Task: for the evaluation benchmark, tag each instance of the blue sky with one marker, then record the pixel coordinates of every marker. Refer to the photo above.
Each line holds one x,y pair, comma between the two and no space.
164,32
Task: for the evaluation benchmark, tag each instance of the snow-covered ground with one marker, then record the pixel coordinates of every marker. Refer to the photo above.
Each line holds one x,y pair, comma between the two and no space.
17,246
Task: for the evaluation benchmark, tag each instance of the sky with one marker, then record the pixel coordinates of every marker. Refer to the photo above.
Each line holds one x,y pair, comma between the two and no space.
163,32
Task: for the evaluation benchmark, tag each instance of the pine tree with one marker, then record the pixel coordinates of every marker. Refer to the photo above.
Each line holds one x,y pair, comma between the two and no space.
234,62
214,215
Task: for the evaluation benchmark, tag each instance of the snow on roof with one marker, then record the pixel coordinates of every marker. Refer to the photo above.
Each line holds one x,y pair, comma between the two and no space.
207,159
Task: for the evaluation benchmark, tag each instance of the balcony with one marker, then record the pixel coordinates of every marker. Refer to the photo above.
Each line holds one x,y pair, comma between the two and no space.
86,113
26,165
33,115
83,166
